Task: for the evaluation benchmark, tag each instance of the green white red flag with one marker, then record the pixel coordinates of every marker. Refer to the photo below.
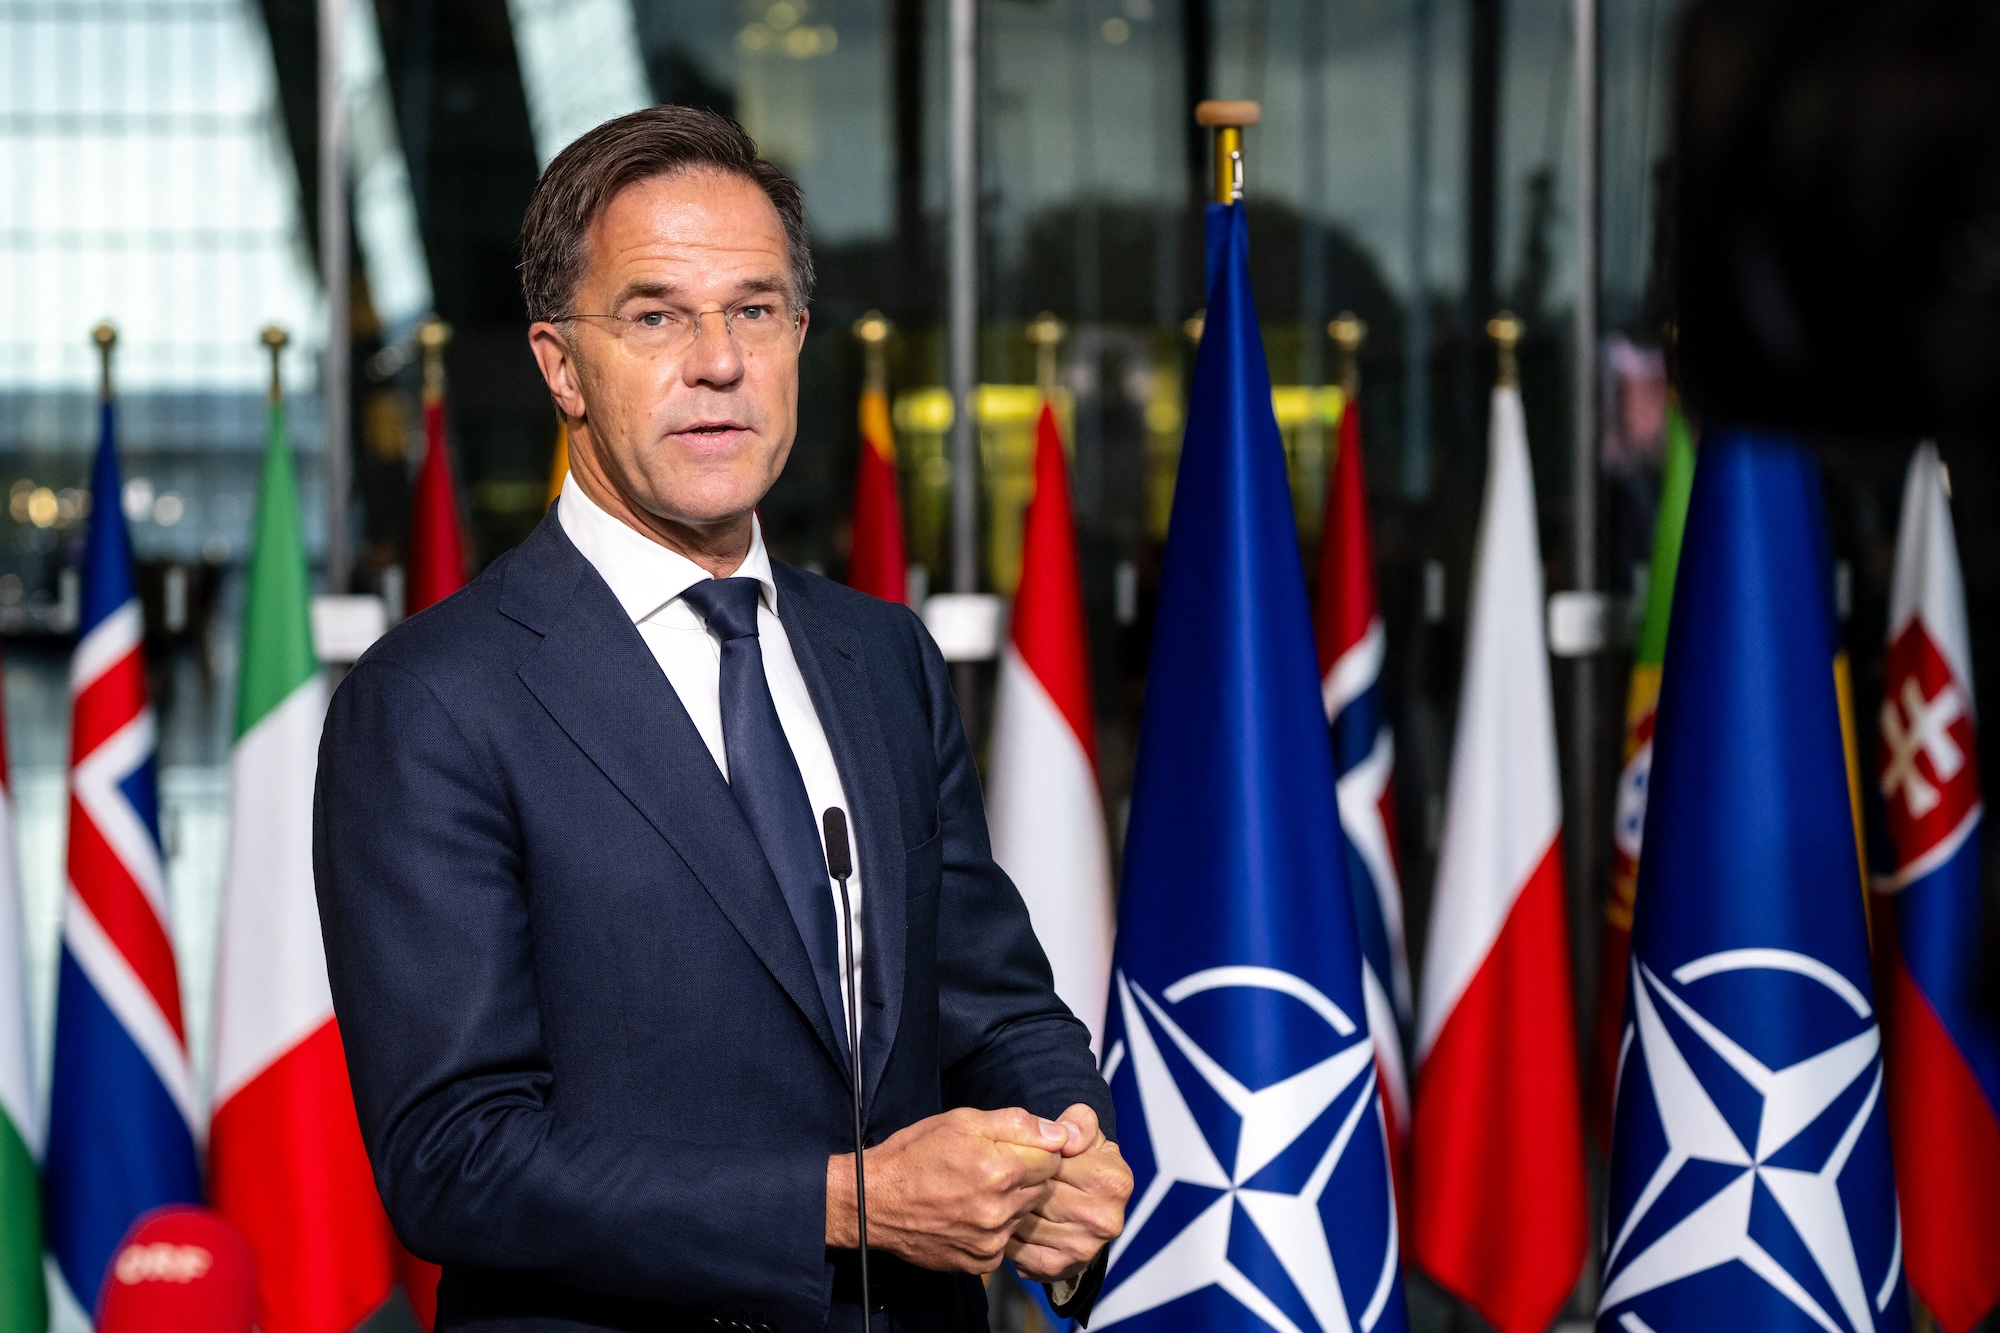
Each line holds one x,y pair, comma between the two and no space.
286,1161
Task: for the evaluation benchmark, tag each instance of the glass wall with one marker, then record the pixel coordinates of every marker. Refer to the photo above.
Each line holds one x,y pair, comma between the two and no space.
1414,166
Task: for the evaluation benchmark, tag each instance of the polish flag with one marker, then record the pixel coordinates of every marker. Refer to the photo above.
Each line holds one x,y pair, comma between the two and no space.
1943,1049
1348,628
286,1163
1497,1147
1042,802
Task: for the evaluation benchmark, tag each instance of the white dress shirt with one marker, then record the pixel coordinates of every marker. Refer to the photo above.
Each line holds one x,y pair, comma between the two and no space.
648,580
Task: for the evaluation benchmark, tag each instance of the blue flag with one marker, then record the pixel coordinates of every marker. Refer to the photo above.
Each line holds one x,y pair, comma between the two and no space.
1750,1175
1237,1043
121,1105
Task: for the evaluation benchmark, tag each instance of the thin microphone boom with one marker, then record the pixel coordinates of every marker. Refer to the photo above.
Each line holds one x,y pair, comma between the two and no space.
840,866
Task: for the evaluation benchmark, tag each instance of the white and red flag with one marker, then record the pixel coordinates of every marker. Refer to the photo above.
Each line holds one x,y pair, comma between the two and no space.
1348,628
1497,1147
1943,1052
1042,801
286,1163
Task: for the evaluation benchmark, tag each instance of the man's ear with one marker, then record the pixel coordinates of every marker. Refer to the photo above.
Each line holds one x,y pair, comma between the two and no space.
557,359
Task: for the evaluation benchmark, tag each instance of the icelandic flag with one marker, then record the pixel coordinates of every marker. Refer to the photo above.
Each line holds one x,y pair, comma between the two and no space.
1237,1043
1750,1182
121,1106
1943,1051
1348,627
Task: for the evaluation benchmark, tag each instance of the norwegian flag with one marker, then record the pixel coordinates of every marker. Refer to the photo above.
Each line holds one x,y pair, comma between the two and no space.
121,1114
1348,629
1943,1052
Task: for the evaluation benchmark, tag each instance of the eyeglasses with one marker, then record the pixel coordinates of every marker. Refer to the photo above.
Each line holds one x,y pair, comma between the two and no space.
660,330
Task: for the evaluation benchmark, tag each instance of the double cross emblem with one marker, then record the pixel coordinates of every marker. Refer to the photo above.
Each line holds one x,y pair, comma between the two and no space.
1913,725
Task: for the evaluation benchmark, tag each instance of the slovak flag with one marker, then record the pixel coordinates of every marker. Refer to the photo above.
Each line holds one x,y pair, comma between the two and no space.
121,1103
1943,1051
1348,628
1750,1182
1497,1187
1237,1047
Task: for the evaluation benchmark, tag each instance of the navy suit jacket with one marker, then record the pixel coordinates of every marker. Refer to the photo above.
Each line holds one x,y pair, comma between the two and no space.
593,1070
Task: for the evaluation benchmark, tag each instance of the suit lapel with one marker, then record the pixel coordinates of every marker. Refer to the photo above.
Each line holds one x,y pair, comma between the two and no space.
597,679
831,661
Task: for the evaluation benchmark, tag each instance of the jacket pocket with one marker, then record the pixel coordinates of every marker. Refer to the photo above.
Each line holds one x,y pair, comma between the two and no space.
923,868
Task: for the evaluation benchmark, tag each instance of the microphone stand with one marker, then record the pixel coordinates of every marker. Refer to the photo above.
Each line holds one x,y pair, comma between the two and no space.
840,867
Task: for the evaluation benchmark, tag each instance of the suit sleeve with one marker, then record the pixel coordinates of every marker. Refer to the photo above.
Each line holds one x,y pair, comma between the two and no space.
426,923
1005,1039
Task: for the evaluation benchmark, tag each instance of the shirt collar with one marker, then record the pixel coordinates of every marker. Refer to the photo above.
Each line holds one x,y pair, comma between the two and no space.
645,576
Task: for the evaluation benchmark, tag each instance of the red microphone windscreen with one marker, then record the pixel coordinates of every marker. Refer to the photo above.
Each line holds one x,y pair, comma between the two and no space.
180,1268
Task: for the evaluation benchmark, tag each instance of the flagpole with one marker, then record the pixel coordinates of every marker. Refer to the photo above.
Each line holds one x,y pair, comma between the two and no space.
872,331
432,335
1505,331
1228,120
1045,332
962,299
333,261
275,338
105,335
1347,331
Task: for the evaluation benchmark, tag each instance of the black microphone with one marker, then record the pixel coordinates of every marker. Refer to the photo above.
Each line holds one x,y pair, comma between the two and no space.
840,866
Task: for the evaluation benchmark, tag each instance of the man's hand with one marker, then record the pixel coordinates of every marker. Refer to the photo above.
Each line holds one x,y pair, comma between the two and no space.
1083,1209
947,1192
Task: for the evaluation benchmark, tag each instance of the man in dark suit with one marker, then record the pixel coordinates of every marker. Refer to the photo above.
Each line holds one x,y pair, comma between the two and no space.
584,948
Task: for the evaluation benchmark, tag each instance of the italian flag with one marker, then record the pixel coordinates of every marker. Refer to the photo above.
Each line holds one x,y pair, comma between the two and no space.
285,1156
23,1298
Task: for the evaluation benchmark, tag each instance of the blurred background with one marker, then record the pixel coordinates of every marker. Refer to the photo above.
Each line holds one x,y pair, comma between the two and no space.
1417,165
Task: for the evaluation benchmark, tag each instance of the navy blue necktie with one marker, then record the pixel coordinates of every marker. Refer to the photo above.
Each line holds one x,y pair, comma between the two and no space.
764,775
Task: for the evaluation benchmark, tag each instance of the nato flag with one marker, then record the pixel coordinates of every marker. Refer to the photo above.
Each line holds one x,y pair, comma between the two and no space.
1237,1044
1750,1175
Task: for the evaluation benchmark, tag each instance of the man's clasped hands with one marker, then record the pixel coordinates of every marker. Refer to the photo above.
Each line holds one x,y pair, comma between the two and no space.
961,1191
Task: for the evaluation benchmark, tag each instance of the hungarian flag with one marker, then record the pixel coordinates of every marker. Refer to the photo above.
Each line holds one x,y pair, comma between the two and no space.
121,1098
1497,1148
1642,697
286,1162
1042,801
1943,1050
1348,628
437,547
23,1299
876,563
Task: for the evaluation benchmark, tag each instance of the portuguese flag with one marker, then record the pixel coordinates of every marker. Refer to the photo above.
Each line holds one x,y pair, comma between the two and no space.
23,1298
1641,697
285,1157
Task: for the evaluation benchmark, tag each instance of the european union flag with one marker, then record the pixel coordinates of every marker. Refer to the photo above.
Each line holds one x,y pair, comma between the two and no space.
1750,1175
1237,1043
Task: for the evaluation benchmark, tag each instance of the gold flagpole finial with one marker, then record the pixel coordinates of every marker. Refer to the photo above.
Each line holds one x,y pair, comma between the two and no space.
1192,326
105,335
1505,331
432,335
1045,331
1228,120
1348,332
873,330
274,338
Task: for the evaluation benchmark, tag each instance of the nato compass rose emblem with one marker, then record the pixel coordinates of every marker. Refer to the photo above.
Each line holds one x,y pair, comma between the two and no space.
1233,1212
1749,1188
